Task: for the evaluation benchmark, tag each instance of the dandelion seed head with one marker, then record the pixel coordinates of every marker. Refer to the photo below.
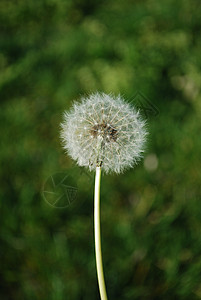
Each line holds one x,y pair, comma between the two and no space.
104,130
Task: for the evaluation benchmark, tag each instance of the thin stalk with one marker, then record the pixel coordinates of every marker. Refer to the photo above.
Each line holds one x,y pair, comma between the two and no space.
99,263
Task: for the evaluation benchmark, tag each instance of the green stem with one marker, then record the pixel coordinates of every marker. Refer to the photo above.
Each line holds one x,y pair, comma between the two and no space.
99,264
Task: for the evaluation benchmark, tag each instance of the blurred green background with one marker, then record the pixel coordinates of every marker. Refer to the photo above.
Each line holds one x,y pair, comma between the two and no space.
52,52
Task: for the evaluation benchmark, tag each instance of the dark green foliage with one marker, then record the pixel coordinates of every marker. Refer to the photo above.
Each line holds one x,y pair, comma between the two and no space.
51,52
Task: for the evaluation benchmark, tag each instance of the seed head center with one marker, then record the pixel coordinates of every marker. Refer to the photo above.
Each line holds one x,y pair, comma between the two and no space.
104,130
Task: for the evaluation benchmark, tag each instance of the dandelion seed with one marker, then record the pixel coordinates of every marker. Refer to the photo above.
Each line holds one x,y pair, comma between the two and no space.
101,120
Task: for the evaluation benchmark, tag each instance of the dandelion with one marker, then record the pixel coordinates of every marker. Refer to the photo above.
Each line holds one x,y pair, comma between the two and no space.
103,132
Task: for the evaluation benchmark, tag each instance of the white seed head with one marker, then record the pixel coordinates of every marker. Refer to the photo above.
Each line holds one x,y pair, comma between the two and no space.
103,130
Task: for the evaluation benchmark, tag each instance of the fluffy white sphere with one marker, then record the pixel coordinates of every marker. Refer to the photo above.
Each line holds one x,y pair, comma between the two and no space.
103,130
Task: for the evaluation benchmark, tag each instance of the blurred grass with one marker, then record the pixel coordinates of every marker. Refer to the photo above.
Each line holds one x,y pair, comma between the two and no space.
51,52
